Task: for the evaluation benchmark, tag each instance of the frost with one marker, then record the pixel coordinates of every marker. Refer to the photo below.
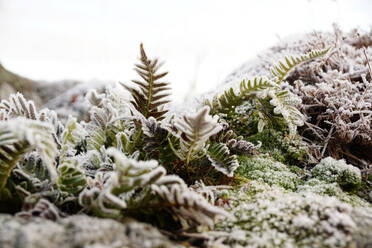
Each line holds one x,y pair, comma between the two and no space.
273,217
331,170
268,171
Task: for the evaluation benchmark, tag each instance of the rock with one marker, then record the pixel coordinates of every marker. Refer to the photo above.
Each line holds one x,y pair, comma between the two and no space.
11,83
78,231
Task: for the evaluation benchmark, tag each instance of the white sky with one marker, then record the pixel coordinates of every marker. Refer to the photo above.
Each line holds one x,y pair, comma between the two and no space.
200,40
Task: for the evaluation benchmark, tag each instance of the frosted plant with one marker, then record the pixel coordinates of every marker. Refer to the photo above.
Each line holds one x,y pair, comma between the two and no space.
336,97
33,175
105,120
132,186
235,144
19,136
194,130
17,105
262,89
188,205
128,160
152,95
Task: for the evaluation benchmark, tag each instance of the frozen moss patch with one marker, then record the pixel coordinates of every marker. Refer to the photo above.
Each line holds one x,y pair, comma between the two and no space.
330,189
282,148
269,171
269,216
330,170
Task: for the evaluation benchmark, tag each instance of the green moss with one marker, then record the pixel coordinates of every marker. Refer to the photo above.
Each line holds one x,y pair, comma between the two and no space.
282,148
337,171
269,216
319,187
267,170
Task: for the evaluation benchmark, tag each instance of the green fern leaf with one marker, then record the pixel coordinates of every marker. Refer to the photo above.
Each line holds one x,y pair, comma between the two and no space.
19,136
33,174
71,179
229,100
222,160
129,176
281,70
285,104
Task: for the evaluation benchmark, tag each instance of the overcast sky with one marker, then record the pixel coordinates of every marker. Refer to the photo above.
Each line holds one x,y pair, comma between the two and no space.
200,40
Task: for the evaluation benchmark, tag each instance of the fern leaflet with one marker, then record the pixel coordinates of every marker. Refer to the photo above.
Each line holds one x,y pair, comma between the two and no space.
222,160
281,70
18,136
194,130
152,95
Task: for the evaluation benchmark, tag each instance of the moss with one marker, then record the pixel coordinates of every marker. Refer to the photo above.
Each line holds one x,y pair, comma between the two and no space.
337,171
331,189
267,170
284,149
269,216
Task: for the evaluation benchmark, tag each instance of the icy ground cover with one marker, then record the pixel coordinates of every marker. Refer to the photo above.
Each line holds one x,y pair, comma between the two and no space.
280,158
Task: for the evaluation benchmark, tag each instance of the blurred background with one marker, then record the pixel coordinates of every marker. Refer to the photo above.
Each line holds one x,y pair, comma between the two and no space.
200,41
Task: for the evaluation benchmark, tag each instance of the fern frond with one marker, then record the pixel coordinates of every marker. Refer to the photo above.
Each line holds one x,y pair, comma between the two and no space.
194,130
222,160
236,144
285,104
130,176
229,100
17,106
281,70
156,136
71,179
252,87
100,120
152,94
94,98
72,135
34,175
188,205
243,146
18,136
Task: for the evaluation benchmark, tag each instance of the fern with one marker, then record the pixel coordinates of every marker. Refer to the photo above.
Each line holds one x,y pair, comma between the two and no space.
194,130
19,136
281,70
188,205
259,89
17,105
229,99
72,135
236,144
33,174
138,187
71,179
152,95
155,136
221,159
101,122
130,177
285,104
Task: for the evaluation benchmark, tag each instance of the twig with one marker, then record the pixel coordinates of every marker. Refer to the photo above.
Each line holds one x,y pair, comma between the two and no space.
369,65
327,140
